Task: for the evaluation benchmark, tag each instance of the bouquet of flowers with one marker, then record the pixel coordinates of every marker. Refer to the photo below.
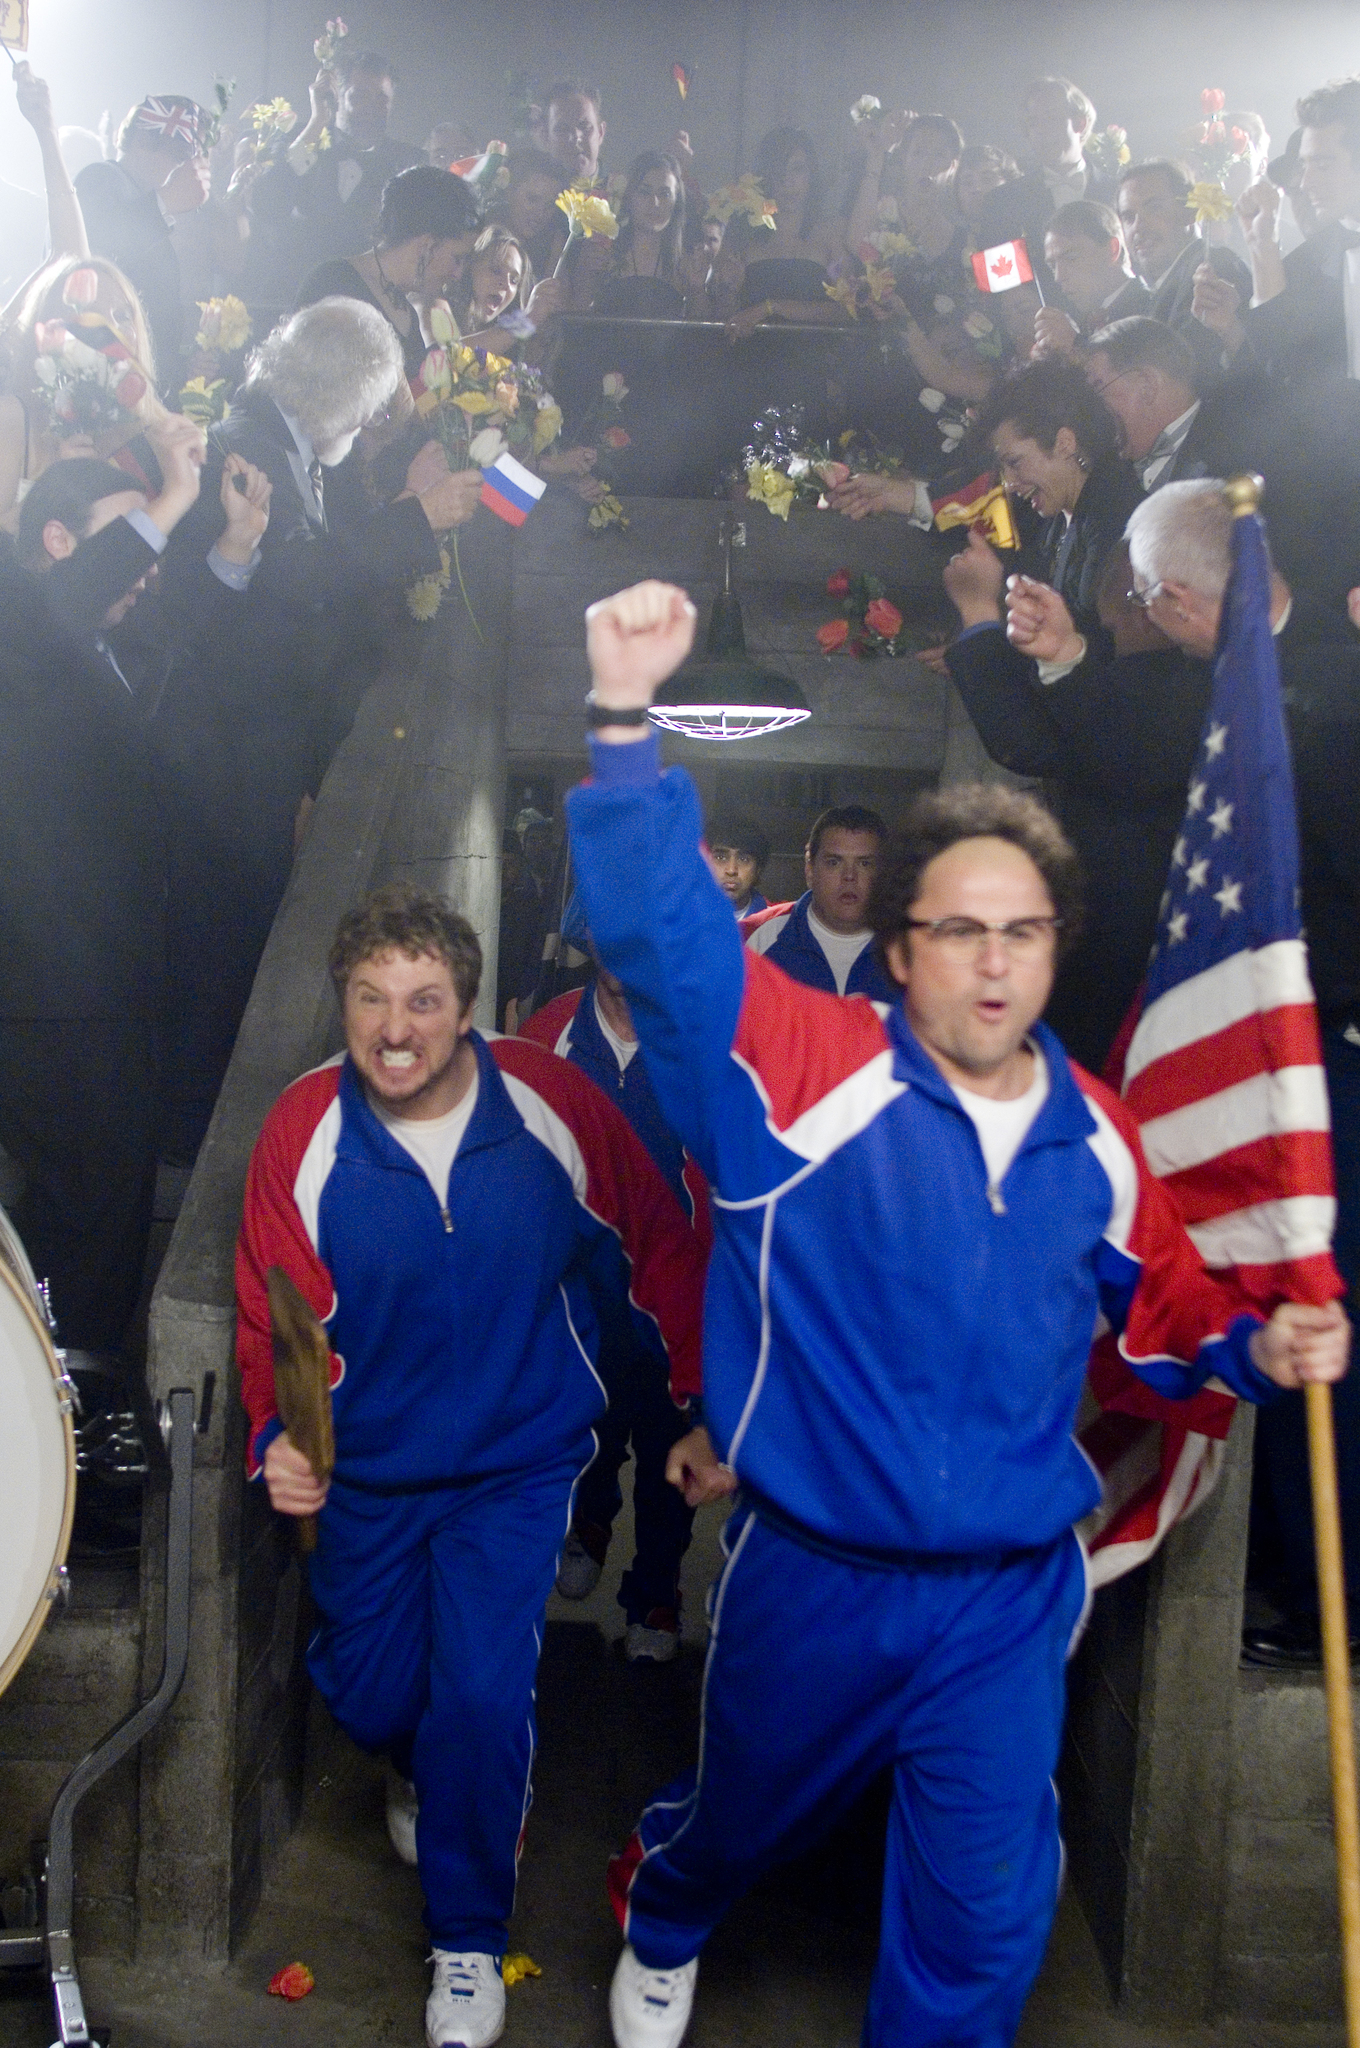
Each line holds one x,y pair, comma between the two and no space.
219,351
477,405
603,429
327,45
745,197
874,296
1106,150
269,120
869,623
886,242
1215,152
85,386
783,466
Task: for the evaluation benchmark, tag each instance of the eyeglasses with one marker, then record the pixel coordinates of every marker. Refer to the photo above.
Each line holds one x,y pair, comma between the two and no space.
1145,599
965,938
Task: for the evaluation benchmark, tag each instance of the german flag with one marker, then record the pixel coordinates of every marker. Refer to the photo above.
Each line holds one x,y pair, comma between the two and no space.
979,501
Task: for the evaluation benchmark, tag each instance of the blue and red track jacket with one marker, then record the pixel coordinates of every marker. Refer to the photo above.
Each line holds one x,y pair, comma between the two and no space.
463,1351
794,948
570,1026
893,1352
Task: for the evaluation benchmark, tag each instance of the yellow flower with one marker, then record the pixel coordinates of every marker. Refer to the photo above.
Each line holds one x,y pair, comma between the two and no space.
609,512
1209,202
547,426
496,366
769,486
881,282
588,213
516,1968
424,598
474,403
203,402
465,359
745,197
843,292
889,243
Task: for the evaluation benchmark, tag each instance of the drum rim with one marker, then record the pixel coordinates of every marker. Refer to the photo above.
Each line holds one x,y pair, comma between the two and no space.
10,1666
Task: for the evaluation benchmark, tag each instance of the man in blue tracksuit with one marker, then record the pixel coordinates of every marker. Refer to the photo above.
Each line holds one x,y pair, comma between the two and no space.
593,1028
919,1217
823,940
452,1209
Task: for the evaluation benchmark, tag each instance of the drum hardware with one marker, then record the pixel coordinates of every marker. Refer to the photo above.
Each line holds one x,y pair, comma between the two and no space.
60,1588
26,1948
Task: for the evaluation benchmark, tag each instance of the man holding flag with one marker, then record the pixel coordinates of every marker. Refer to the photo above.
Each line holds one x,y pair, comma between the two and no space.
919,1214
1234,1103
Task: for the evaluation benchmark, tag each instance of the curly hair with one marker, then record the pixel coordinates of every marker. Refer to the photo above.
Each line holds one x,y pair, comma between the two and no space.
1039,399
402,918
938,820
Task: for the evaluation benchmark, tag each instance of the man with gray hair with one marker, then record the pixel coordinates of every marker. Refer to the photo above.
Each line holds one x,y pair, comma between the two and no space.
1180,547
247,728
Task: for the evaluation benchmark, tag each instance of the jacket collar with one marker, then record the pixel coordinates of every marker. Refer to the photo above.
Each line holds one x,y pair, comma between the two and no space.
1064,1118
365,1138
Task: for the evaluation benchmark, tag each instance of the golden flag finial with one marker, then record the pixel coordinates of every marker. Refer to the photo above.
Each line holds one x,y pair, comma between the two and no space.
1243,494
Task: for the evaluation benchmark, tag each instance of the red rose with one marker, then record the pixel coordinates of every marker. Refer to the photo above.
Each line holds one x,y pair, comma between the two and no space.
839,584
1239,141
833,634
617,437
1212,100
131,390
883,618
81,288
294,1982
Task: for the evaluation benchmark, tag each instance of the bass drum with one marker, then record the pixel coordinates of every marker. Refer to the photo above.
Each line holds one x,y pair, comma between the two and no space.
37,1459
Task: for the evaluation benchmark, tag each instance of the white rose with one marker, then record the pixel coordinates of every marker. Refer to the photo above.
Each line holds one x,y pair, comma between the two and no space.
485,447
932,399
977,324
943,304
798,468
614,387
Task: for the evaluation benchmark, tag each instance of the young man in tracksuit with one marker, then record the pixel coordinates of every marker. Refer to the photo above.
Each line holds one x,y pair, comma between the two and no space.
822,940
593,1028
452,1209
919,1216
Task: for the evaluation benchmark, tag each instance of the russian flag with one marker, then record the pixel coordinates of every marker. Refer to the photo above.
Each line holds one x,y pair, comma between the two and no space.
510,489
1003,268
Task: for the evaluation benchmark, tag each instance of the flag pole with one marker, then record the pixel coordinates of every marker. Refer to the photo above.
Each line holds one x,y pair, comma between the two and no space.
1243,494
1336,1667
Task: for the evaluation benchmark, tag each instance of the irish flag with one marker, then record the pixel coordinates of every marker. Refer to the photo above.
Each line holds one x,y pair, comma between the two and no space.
1003,268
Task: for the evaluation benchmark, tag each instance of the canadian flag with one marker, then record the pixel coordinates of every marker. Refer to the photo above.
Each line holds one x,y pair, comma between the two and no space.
1002,268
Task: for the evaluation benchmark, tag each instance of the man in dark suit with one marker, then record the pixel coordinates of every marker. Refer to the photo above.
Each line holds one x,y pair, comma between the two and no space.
247,726
1303,323
131,208
1057,117
1084,250
1180,549
82,866
318,203
1145,372
1169,256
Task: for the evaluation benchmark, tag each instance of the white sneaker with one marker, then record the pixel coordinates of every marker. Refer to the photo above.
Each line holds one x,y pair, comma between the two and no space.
466,2005
650,2008
578,1574
402,1808
655,1640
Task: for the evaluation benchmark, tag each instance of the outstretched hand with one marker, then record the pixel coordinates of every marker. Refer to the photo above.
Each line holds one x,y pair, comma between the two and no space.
693,1467
634,640
974,580
1302,1343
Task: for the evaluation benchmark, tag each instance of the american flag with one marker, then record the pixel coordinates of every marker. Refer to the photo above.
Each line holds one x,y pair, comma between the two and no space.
1224,1074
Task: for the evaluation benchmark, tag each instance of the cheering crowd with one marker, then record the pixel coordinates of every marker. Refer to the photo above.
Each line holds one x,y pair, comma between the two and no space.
207,547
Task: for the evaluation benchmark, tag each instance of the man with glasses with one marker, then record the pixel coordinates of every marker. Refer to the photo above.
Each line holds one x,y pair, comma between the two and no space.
919,1216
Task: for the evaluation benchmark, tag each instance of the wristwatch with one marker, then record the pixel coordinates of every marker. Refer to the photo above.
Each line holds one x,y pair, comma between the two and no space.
598,714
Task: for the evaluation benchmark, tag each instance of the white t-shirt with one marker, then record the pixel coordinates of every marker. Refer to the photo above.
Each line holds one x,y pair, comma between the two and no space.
1003,1126
624,1048
842,949
433,1141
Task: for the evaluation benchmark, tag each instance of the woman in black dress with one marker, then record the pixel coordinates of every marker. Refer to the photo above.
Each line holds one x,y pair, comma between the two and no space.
427,224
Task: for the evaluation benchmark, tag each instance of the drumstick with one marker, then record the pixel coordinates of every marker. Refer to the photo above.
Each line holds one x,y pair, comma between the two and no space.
302,1383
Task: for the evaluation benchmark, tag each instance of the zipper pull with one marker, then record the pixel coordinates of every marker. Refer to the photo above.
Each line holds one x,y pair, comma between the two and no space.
448,1221
994,1197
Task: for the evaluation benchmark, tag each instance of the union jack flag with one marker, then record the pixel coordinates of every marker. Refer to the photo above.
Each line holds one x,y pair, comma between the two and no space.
175,118
1224,1074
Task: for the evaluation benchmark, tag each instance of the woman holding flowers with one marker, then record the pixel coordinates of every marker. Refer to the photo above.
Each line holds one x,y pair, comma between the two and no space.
78,376
775,265
427,224
651,277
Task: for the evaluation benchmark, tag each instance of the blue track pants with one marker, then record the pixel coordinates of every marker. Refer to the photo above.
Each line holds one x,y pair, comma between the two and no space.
820,1675
431,1623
